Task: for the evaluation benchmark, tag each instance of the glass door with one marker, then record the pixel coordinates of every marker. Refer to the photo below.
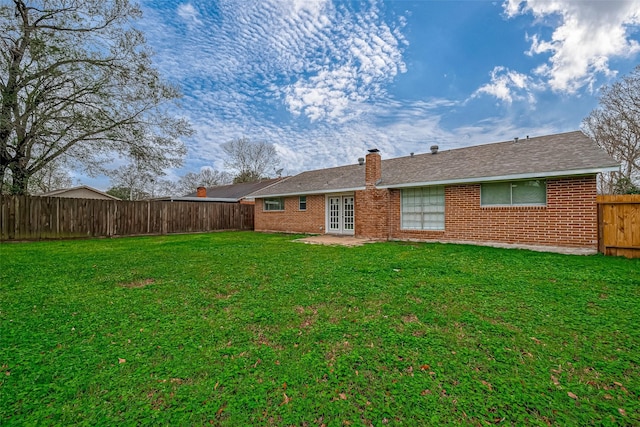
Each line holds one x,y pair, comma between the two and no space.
334,215
340,215
347,214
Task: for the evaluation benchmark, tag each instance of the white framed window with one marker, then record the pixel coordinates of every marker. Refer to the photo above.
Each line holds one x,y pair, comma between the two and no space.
302,203
274,204
532,192
422,208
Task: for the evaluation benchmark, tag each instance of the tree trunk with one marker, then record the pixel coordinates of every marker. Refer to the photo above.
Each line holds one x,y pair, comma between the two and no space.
20,180
3,170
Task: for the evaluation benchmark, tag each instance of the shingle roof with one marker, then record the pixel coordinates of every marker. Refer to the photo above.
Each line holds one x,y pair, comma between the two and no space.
563,154
235,191
332,180
61,191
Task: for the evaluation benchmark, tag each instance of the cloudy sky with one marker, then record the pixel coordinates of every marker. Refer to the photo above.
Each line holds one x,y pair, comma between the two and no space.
324,80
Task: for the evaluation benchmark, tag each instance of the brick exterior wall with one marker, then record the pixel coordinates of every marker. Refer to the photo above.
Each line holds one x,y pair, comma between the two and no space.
569,219
292,219
372,204
373,168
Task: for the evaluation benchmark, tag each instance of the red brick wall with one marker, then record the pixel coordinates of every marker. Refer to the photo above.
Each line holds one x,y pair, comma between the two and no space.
372,213
292,219
373,168
372,205
569,219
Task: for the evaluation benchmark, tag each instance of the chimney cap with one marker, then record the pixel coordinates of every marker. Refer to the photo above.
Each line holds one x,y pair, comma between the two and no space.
374,150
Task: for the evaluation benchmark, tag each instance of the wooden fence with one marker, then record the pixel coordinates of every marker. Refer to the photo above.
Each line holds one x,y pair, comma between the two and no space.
619,225
36,218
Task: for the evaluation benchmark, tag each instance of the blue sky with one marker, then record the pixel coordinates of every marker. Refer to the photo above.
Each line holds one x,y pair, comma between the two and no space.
326,80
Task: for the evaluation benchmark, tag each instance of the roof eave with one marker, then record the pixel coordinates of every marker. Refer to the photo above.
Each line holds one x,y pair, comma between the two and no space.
553,174
309,193
204,199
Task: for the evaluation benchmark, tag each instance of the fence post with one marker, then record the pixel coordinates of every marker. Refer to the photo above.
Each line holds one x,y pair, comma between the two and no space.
12,217
164,217
600,228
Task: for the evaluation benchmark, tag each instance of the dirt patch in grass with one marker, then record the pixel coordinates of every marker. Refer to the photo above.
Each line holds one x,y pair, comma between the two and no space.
410,318
138,283
309,316
225,296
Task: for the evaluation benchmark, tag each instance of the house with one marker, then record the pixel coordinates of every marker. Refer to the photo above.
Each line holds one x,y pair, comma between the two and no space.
232,193
534,191
80,192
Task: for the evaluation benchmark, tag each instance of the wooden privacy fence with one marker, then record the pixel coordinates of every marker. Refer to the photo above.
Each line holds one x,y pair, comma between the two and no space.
35,218
619,225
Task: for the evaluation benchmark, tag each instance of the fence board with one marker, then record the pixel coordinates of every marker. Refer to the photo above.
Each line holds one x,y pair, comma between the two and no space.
36,218
619,225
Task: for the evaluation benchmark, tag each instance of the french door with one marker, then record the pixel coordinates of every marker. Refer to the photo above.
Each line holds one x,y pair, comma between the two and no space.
340,214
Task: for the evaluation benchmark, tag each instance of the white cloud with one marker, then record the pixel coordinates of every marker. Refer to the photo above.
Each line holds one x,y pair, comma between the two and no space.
588,35
319,58
189,13
508,85
348,59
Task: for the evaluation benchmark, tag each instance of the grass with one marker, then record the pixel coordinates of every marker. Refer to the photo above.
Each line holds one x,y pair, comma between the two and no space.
252,329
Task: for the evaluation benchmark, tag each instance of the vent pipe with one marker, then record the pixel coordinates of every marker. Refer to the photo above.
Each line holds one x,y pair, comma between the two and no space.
515,139
361,161
434,149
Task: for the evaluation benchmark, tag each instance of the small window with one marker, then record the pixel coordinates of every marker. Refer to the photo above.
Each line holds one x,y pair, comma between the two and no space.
515,193
275,204
303,203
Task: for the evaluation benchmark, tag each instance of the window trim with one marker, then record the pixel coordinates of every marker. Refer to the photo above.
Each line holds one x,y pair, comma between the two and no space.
442,228
272,199
511,186
300,203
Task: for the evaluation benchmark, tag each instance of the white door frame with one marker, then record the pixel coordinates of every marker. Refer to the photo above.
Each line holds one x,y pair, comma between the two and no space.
340,214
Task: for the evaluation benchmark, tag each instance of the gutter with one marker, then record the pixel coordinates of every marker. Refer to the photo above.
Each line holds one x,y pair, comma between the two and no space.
509,177
307,193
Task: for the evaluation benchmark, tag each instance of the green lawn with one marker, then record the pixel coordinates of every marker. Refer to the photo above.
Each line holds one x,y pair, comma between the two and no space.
252,329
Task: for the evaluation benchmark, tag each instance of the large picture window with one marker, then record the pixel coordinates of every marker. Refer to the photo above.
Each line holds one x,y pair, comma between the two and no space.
274,204
423,208
532,192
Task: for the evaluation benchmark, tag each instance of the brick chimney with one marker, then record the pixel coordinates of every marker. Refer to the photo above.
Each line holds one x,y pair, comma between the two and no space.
201,192
373,167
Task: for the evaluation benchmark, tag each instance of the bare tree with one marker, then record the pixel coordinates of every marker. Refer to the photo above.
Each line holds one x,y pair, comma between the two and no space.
137,180
615,126
77,81
54,176
250,161
207,177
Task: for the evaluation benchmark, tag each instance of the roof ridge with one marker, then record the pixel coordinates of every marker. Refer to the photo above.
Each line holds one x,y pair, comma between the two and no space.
484,144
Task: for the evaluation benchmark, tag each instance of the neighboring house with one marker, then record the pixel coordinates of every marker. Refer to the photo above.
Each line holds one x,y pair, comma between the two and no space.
232,193
81,192
536,191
